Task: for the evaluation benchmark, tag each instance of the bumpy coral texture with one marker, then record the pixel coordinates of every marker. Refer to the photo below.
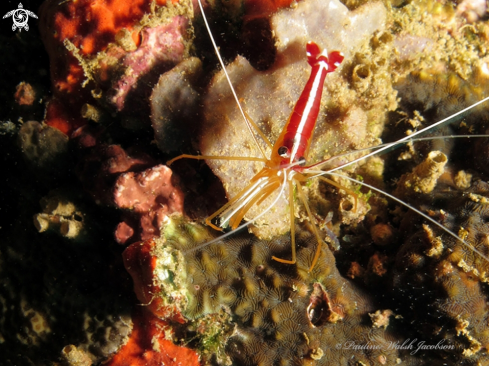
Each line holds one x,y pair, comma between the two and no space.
60,214
151,196
41,145
283,314
173,113
147,346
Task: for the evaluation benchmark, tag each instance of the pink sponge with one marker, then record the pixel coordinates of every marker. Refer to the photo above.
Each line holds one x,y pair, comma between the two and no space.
150,196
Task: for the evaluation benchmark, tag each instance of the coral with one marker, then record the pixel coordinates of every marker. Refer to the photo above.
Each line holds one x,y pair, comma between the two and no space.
280,314
148,345
382,234
408,60
110,50
449,67
472,10
54,294
155,282
161,46
107,334
61,215
25,94
68,301
43,146
72,356
455,309
423,178
130,180
381,318
105,163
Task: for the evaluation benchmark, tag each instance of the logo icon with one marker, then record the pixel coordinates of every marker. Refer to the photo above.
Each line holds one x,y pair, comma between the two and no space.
20,17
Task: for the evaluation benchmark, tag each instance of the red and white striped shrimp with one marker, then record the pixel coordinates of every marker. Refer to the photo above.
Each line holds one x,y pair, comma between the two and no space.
286,167
289,153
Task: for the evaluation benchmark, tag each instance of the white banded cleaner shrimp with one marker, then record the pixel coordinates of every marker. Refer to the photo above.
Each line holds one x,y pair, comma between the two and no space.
359,73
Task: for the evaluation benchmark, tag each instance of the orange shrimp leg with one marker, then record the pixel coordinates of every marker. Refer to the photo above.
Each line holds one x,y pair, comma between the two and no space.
291,148
261,186
292,227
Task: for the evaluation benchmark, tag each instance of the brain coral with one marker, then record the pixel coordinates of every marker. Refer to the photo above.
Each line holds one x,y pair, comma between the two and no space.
271,313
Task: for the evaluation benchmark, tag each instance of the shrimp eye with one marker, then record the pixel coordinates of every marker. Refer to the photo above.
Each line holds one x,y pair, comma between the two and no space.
283,151
302,161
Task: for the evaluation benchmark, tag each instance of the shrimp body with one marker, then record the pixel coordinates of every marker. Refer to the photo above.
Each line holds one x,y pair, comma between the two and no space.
290,150
293,143
285,166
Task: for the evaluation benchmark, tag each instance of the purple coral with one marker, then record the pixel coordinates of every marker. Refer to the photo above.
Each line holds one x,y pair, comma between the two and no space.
161,48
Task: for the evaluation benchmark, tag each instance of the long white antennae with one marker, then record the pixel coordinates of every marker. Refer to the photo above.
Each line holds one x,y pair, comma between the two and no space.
470,246
375,148
410,136
229,79
246,223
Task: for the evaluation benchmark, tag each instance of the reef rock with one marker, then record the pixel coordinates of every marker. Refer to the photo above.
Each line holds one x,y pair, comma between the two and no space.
148,345
60,214
174,104
43,146
447,277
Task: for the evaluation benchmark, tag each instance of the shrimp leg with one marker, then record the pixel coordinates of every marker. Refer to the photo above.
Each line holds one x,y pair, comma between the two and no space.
292,227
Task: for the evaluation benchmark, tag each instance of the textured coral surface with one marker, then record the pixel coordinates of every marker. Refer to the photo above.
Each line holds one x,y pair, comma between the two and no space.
111,46
279,314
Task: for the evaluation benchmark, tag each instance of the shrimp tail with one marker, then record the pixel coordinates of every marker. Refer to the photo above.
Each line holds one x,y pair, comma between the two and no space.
315,56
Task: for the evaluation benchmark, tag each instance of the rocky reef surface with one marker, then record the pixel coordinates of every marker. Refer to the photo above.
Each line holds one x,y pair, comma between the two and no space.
104,258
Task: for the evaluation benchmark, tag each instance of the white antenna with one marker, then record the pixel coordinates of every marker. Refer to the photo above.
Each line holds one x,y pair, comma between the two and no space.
406,138
468,245
229,79
219,238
